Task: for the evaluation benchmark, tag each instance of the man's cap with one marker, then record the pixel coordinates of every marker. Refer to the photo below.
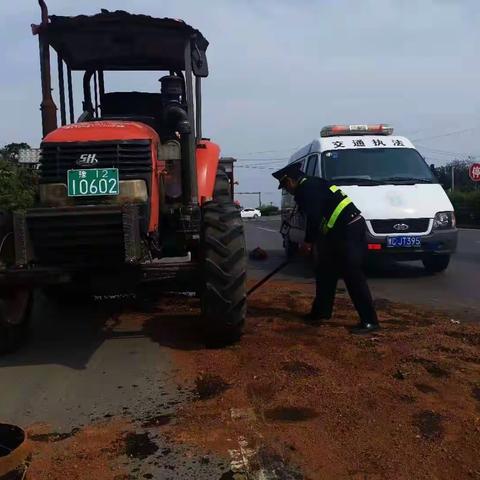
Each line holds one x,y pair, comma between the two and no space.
292,171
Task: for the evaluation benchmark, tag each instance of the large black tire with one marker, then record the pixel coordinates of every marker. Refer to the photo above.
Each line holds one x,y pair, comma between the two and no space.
224,268
15,312
436,263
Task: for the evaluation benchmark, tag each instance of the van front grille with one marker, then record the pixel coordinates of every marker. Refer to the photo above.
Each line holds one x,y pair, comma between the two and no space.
406,225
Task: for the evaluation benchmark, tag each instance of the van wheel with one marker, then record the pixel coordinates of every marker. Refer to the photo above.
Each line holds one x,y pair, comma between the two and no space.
436,263
15,310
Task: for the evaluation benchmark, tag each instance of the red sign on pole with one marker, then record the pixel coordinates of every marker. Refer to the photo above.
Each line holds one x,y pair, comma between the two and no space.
474,172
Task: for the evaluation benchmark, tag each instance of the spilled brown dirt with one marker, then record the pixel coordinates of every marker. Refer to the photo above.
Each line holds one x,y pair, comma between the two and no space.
400,404
88,453
313,402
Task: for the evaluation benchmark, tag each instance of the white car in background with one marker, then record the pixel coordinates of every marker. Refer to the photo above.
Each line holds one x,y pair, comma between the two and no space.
251,213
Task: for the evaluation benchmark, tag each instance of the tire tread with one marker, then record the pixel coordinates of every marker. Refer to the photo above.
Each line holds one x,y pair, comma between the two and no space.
224,290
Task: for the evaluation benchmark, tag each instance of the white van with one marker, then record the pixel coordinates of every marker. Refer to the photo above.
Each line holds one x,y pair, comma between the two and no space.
408,214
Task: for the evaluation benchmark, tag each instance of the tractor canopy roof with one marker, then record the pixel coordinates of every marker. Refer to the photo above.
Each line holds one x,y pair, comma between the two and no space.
123,41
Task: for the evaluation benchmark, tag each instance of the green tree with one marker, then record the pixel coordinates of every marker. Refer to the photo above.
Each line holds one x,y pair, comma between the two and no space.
269,210
463,183
10,151
18,186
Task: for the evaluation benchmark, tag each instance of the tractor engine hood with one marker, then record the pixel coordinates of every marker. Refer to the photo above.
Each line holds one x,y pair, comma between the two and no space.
103,131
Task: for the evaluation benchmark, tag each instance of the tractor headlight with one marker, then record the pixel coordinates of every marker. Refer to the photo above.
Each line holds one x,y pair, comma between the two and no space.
444,220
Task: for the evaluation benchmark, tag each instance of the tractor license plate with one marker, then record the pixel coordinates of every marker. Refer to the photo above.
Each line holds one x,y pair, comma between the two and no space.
404,241
93,182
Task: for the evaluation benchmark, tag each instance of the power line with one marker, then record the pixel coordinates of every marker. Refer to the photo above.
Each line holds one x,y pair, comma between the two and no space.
438,151
261,160
246,154
264,152
253,167
448,134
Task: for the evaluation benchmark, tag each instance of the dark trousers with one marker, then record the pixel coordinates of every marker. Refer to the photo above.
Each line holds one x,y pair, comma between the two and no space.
341,254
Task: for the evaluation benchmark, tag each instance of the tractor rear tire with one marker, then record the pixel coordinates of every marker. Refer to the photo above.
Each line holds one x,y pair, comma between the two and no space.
15,312
224,268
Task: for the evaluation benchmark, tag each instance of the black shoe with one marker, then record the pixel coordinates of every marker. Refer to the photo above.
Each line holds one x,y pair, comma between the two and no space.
364,328
313,318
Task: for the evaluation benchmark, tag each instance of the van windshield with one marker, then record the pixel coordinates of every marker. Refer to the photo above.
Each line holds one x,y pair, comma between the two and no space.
376,166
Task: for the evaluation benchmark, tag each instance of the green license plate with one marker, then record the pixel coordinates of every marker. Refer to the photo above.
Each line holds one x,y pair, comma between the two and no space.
92,182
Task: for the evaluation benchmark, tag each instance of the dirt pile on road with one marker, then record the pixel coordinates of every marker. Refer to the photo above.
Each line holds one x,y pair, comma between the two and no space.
402,404
294,402
89,453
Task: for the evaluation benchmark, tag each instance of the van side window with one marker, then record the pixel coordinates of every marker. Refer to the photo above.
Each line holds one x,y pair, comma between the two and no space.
312,166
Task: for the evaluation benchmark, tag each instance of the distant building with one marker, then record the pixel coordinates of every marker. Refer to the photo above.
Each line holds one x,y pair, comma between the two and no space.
29,158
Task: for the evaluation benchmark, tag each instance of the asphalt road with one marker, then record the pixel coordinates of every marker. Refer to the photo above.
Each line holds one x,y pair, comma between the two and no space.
457,290
90,362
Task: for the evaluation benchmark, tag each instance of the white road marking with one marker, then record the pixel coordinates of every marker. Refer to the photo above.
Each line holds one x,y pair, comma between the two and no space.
240,458
268,229
243,458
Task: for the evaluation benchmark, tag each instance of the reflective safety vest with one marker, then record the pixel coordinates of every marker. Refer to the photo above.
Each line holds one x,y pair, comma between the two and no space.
342,202
327,225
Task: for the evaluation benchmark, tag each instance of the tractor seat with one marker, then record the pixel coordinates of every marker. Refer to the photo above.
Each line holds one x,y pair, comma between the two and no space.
133,106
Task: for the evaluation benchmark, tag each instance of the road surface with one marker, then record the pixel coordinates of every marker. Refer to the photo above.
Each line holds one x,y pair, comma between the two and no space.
456,290
91,362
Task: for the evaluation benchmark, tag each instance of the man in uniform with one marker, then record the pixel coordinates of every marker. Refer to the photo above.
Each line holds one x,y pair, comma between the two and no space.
337,231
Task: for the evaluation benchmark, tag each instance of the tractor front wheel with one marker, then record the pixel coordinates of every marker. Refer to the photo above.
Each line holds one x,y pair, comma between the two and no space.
15,310
224,267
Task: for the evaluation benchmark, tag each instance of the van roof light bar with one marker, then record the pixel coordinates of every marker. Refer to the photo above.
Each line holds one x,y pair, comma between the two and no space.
337,130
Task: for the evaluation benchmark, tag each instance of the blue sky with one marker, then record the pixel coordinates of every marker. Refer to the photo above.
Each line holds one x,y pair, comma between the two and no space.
280,70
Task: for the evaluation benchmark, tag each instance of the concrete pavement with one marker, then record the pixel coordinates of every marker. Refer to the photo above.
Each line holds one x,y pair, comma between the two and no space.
89,363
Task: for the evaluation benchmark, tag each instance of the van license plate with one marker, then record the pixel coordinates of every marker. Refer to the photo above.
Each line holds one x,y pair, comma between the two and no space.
404,241
93,182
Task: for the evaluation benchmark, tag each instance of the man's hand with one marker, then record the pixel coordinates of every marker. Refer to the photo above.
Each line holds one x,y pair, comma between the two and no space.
305,249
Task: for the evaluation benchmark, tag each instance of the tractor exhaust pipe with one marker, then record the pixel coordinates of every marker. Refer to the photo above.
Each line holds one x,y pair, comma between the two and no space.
178,120
191,195
48,107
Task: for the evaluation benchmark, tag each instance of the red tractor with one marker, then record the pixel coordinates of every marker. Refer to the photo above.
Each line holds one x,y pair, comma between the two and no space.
130,193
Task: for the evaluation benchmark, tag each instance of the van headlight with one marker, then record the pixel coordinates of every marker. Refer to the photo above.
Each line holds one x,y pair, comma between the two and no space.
444,220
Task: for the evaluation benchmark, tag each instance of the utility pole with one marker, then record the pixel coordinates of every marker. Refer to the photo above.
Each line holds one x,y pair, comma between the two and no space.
453,178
